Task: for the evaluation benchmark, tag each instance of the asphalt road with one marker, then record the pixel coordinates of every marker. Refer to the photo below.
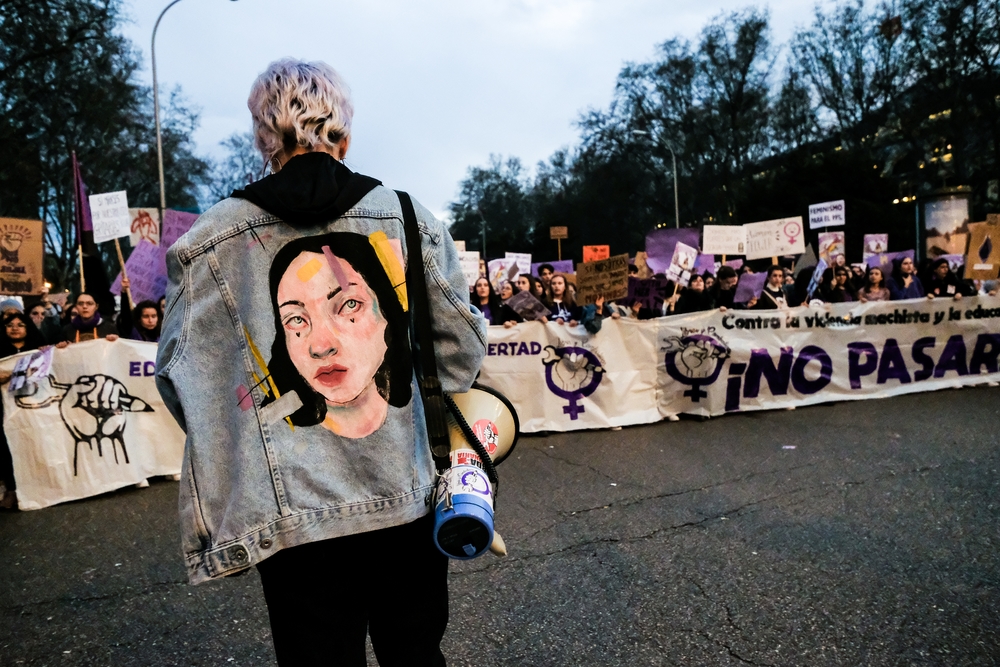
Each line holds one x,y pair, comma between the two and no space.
873,542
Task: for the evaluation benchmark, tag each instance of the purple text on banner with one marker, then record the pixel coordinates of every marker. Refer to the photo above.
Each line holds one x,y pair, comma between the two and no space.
147,272
650,293
175,225
749,287
560,266
660,246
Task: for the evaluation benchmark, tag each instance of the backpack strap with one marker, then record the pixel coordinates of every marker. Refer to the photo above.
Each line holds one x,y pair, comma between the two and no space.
420,319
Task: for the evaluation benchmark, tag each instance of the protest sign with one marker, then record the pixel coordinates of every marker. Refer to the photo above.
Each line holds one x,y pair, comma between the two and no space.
522,260
651,293
660,246
715,363
109,212
64,449
527,306
592,253
875,244
21,256
749,287
955,262
983,259
459,245
469,261
817,278
605,277
147,273
831,244
175,225
682,263
558,266
734,264
724,240
705,263
644,272
827,214
500,271
145,225
772,238
807,260
558,233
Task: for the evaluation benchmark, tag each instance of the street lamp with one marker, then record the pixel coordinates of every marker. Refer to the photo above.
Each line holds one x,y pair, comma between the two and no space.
673,157
156,106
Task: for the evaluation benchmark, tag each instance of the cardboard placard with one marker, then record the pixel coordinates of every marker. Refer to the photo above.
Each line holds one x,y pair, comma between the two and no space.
459,245
527,306
469,261
21,256
983,259
875,244
831,244
724,240
682,264
774,238
175,225
500,271
522,260
605,277
147,273
558,233
145,225
110,214
592,253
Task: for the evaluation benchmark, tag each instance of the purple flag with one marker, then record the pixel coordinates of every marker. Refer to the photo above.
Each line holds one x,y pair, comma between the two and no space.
559,266
660,245
705,263
175,225
84,221
749,287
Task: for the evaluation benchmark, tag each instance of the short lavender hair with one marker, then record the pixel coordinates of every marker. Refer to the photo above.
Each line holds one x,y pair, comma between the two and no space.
297,103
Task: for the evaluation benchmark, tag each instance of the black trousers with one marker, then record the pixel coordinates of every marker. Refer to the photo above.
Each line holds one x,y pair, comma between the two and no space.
323,597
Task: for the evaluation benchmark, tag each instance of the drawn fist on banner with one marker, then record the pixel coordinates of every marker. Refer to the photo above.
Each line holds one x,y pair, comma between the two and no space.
10,243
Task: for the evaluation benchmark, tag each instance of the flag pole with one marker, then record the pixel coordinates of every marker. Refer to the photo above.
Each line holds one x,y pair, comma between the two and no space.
121,261
83,283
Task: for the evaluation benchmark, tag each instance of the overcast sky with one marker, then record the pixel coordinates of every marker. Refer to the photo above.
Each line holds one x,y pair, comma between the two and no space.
438,85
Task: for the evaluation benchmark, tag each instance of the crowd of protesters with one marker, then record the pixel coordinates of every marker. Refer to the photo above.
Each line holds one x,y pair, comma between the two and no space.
41,322
783,288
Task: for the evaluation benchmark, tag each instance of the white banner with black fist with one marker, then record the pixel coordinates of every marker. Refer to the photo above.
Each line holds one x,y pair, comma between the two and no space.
85,420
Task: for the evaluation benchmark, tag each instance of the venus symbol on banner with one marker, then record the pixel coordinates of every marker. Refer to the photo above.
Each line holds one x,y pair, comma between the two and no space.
572,373
774,238
702,356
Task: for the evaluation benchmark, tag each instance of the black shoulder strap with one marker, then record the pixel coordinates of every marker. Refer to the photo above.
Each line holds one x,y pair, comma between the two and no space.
420,318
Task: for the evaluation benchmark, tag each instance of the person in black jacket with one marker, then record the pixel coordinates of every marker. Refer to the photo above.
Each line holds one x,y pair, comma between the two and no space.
773,295
695,297
941,281
725,287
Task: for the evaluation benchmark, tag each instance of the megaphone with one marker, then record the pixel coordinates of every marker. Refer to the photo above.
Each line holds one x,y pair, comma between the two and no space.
464,498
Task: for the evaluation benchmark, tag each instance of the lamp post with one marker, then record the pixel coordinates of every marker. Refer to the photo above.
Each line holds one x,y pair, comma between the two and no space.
673,157
156,106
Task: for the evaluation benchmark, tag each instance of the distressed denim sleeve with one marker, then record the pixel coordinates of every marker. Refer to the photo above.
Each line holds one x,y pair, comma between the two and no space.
459,331
171,335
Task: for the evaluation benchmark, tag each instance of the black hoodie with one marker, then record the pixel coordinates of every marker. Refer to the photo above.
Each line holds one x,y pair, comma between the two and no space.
310,189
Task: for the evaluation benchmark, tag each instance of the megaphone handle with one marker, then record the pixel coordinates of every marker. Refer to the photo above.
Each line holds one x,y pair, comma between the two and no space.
476,445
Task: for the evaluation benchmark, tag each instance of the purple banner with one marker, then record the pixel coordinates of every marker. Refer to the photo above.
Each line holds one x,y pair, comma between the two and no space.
560,266
175,225
749,287
660,245
147,273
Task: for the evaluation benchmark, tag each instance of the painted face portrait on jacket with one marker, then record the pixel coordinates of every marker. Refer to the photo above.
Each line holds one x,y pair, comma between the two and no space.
341,330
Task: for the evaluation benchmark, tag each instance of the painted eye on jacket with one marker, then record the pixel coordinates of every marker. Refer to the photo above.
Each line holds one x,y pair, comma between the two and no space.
295,323
350,307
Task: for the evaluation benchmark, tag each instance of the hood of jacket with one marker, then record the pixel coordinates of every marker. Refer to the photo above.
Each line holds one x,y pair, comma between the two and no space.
310,189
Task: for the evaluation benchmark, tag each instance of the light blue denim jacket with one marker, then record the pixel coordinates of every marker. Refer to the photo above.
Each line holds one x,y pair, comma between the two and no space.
252,483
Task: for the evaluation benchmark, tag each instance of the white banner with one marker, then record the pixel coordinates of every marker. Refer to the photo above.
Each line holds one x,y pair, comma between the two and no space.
94,422
711,363
827,214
